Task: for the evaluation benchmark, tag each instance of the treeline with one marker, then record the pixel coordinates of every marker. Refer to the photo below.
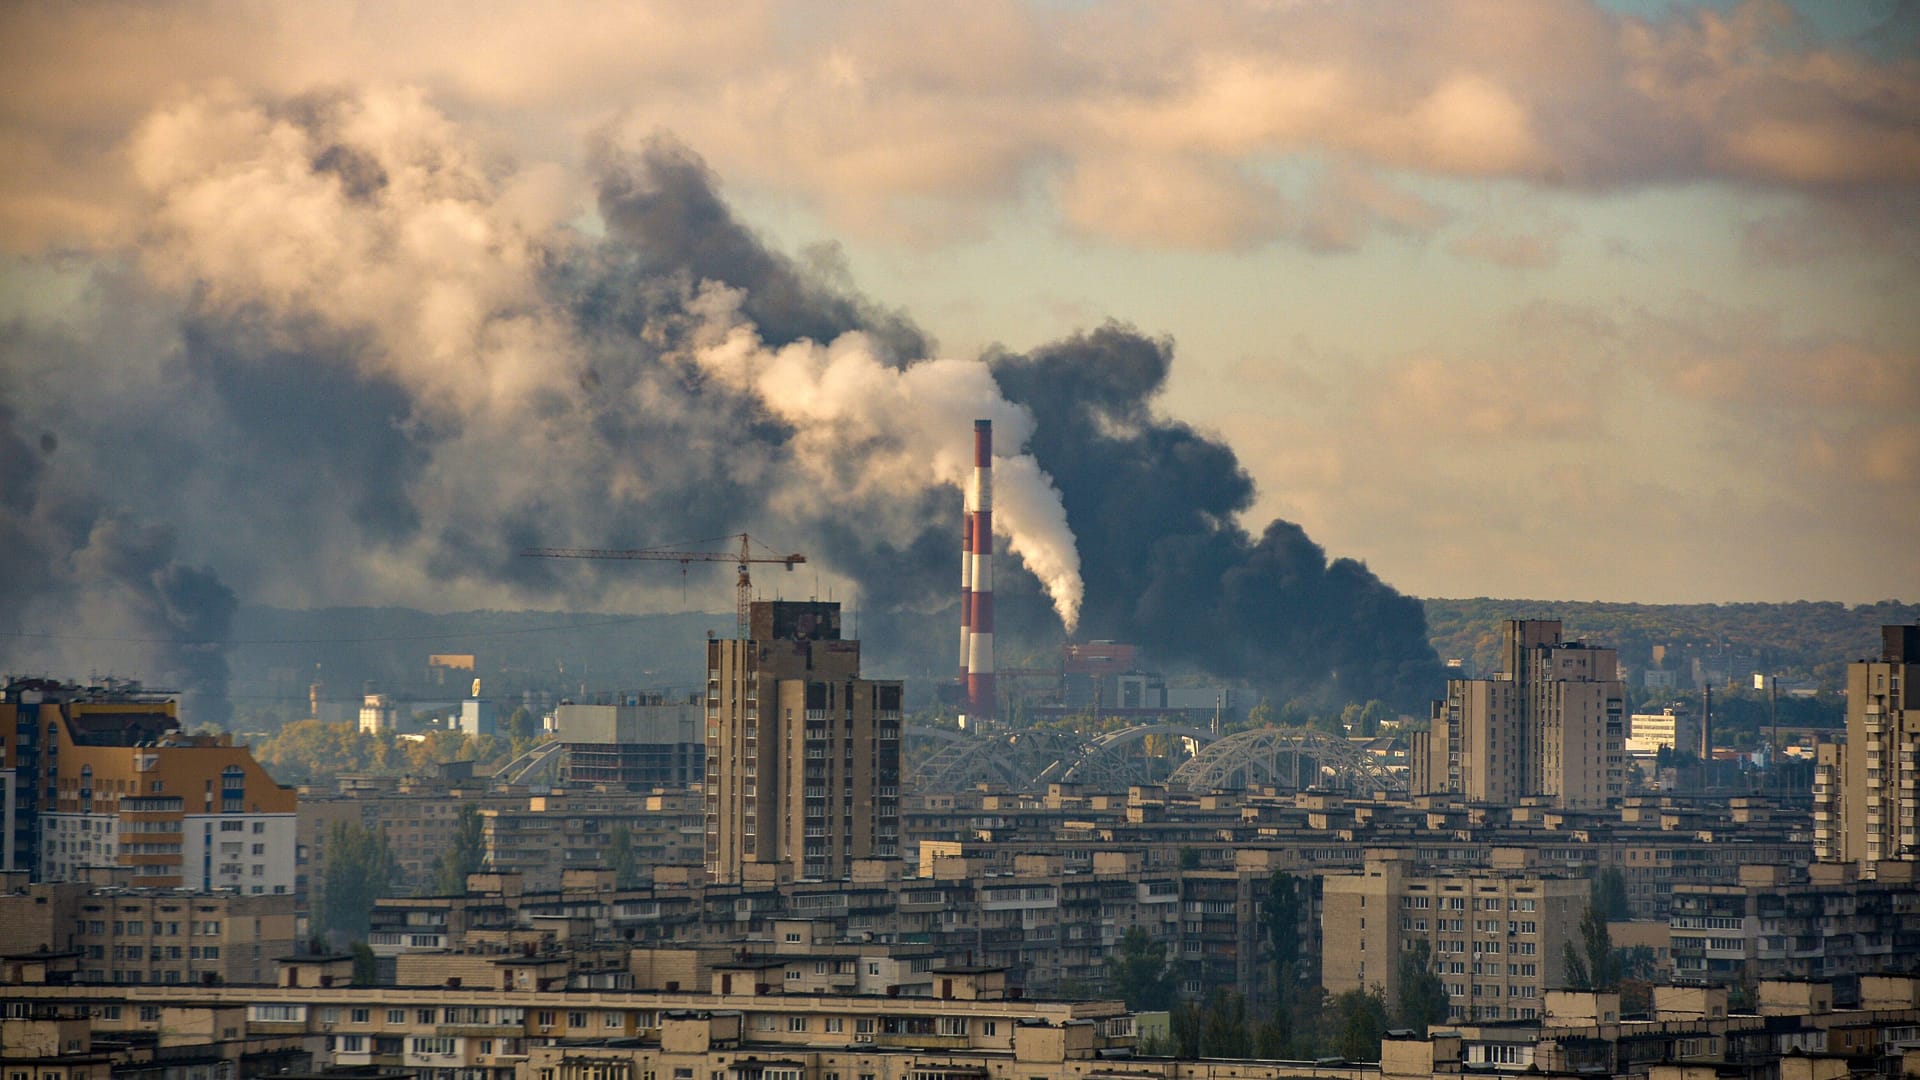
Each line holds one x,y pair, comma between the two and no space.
313,751
1807,639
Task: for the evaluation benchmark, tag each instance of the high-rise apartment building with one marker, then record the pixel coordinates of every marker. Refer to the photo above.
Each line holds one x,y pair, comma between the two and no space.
1496,938
803,755
108,780
1865,806
1551,722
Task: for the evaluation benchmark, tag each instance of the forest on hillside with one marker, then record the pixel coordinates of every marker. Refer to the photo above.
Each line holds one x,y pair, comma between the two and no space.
1809,640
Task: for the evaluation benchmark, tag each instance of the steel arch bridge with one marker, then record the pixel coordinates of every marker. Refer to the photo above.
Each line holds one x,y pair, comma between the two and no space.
944,760
1288,758
1108,762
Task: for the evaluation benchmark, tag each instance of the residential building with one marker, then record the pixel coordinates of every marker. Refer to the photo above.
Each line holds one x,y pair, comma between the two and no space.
803,755
638,741
160,936
1550,724
117,784
1866,806
1495,938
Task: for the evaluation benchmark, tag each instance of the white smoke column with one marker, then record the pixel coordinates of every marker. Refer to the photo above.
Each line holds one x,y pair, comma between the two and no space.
867,430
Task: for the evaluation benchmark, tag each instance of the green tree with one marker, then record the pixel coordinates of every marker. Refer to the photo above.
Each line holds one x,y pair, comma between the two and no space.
1607,893
366,968
1280,921
1223,1030
360,870
622,859
1355,1023
1591,964
1423,998
1189,858
1138,972
466,855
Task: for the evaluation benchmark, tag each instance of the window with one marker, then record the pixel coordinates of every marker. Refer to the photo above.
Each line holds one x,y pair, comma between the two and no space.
396,1016
989,1028
613,1020
423,1017
796,1023
362,1016
150,1014
863,1025
953,1025
440,1044
576,1019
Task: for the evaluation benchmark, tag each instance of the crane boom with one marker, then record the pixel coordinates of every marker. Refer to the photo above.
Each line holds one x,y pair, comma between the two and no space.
743,587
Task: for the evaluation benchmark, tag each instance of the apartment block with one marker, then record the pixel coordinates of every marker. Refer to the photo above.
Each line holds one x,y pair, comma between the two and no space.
803,755
1866,806
151,936
1824,924
1550,724
115,783
1495,938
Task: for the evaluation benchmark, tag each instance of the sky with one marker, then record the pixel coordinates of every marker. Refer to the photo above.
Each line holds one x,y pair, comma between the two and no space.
1556,299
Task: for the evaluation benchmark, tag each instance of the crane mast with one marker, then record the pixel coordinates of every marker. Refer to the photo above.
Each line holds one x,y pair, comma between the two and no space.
742,559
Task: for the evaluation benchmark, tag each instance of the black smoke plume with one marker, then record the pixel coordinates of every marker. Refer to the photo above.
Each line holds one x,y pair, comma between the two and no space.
317,443
1154,503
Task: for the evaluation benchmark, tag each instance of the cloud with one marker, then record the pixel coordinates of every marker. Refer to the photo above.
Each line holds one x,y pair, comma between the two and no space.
911,123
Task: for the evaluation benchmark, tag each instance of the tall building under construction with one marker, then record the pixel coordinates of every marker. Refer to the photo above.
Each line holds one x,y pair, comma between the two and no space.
803,755
1551,723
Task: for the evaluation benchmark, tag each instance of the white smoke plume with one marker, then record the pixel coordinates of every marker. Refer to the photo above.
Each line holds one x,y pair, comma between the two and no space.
866,428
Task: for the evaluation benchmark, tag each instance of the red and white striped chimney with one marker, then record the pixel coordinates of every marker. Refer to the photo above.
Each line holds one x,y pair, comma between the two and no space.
966,584
980,688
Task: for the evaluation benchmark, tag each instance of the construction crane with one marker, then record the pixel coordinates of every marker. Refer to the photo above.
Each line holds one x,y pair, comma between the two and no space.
742,558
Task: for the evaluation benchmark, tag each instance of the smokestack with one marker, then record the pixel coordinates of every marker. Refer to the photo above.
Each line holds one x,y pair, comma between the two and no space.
1706,728
980,688
966,585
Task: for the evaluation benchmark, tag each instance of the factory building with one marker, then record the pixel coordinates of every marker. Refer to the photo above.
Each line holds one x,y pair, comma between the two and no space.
803,755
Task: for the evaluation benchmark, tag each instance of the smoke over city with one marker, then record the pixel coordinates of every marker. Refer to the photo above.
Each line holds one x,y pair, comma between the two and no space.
355,356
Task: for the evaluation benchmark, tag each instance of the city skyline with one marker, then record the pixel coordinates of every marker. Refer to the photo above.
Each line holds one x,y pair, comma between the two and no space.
320,304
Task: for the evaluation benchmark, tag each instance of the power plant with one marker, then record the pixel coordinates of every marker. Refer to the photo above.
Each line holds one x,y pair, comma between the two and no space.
976,584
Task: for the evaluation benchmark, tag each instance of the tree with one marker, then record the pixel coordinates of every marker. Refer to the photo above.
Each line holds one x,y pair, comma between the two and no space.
1607,892
466,855
1423,994
360,870
1592,964
1138,972
366,968
1280,920
622,859
1223,1031
1356,1021
1189,858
